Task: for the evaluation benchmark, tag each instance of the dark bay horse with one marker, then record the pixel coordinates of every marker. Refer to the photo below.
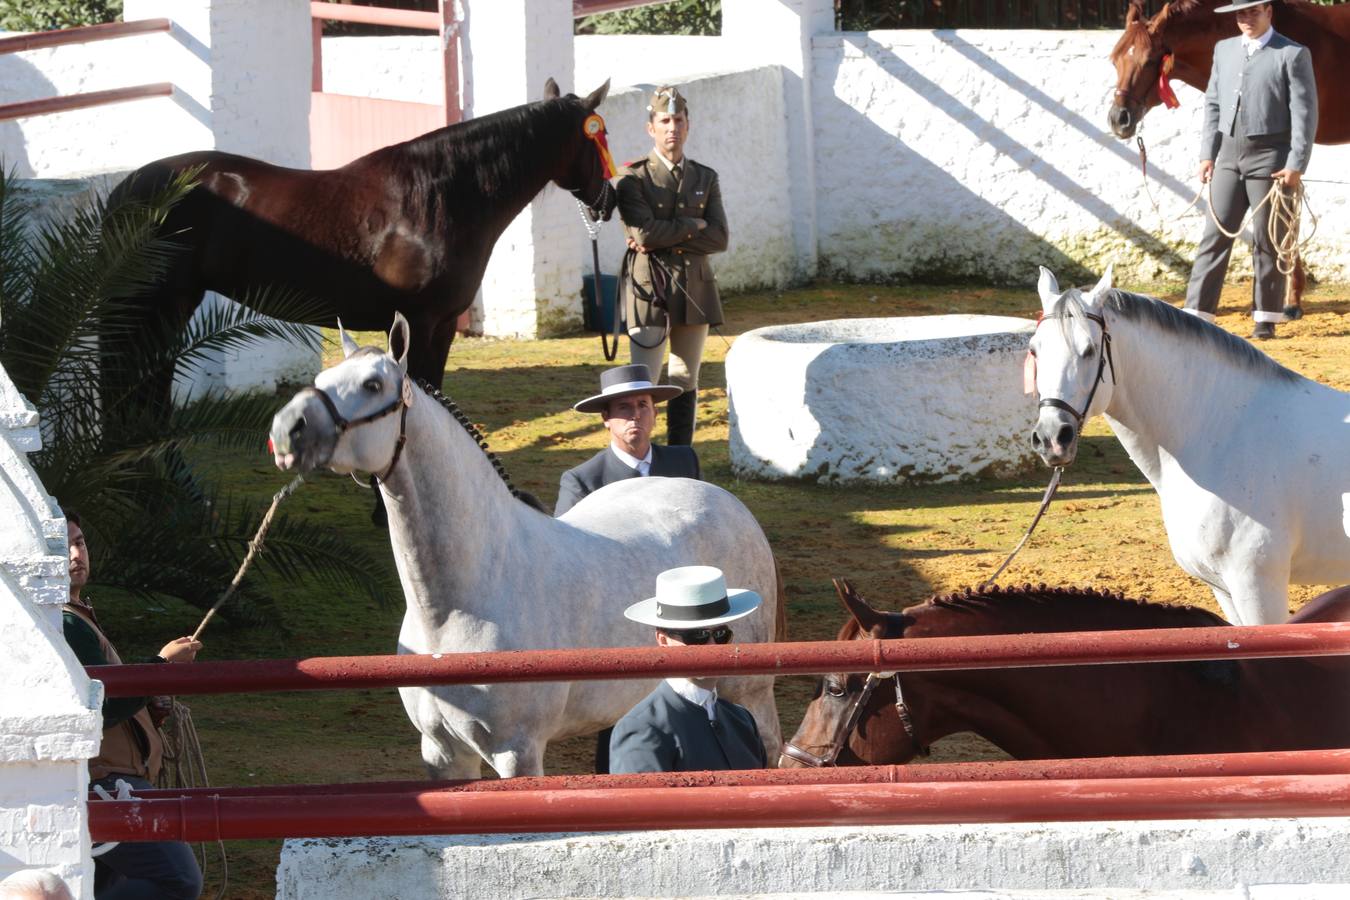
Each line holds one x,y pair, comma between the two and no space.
1185,32
1072,711
407,228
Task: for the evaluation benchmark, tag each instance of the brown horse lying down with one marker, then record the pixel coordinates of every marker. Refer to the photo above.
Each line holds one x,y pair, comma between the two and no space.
1072,711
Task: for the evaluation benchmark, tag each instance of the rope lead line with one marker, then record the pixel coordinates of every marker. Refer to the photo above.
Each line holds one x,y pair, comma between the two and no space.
1045,504
254,547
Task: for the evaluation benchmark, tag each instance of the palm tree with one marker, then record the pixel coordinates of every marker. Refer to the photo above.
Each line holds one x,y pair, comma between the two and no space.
67,342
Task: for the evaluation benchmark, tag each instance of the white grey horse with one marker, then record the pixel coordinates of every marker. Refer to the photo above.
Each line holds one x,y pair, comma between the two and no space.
482,570
1250,460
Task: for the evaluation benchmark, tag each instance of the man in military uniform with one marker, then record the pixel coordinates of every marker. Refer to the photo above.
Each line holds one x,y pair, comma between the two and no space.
1260,119
672,211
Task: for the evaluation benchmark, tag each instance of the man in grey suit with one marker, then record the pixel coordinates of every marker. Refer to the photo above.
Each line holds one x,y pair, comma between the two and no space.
683,726
627,404
1260,119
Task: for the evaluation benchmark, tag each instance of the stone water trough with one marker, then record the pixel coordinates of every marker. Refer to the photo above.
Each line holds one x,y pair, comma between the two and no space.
893,400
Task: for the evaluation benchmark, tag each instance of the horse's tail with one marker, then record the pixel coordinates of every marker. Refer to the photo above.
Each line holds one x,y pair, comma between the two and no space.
780,614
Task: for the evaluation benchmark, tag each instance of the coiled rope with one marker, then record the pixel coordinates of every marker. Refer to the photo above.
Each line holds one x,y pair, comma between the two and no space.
184,766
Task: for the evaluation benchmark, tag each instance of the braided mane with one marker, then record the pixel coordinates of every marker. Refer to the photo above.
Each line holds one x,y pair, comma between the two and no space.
1068,603
459,416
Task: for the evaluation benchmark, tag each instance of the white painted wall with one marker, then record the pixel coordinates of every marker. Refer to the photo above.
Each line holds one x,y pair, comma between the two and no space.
1236,858
50,725
981,154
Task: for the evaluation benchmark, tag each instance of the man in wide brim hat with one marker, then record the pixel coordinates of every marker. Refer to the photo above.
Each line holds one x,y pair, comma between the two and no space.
627,406
683,726
1260,122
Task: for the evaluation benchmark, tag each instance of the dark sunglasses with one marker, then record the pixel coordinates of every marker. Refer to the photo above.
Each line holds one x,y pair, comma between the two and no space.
719,635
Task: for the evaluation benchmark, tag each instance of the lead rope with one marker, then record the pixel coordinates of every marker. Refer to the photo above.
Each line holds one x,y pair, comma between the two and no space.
1282,225
185,767
592,227
1045,504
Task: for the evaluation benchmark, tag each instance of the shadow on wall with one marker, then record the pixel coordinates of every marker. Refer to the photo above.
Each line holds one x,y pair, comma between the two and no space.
940,229
20,81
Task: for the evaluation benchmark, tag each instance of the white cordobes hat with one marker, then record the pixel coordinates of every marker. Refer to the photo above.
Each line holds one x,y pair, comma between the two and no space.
693,597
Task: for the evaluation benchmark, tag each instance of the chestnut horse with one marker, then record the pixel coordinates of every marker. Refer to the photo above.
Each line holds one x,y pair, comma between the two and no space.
407,228
1071,711
1187,30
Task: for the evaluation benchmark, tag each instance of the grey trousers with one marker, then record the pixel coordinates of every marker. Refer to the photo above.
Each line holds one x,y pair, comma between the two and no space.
1241,179
686,353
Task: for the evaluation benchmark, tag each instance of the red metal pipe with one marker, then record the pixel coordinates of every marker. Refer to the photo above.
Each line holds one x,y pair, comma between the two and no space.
84,34
591,7
1293,762
376,15
80,101
928,654
432,812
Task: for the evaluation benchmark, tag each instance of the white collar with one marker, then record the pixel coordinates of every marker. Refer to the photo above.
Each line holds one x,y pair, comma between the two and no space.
1252,45
695,694
629,459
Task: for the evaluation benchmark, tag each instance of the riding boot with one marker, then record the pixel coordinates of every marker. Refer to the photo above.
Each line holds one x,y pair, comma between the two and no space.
680,419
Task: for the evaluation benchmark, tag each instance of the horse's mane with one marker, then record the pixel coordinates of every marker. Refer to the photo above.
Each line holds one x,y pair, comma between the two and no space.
500,152
458,415
1069,607
1165,317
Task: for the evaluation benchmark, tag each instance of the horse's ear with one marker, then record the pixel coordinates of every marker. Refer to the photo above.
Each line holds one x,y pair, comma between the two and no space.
1160,19
349,346
1104,284
866,617
597,96
399,335
1048,288
1134,13
551,91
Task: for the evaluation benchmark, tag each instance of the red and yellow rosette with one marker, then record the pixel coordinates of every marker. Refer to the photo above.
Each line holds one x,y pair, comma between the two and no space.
594,128
1165,93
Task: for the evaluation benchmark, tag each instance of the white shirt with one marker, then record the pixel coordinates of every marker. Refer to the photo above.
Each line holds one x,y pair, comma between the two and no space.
695,694
1251,45
670,166
643,466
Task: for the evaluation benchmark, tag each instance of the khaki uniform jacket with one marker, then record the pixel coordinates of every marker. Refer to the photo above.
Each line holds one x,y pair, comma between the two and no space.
659,214
133,746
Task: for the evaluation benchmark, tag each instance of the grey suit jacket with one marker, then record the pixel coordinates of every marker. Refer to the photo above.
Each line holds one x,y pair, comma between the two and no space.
667,733
1277,91
604,468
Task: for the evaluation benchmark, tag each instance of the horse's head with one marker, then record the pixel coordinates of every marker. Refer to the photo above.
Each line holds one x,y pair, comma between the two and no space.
1138,58
585,165
1072,354
352,417
855,720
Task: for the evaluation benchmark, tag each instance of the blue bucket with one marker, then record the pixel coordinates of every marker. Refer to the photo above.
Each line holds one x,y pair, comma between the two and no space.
600,319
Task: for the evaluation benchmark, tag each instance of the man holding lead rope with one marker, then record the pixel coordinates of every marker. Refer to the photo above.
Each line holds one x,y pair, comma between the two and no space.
1260,118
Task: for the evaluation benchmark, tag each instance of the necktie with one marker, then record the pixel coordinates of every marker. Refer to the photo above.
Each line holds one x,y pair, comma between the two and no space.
676,172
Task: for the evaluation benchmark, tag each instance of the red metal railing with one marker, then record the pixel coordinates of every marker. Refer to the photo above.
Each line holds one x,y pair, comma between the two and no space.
82,35
218,817
929,654
591,7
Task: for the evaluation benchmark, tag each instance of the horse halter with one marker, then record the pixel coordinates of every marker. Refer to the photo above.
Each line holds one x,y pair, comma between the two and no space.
1165,95
1103,360
855,713
342,424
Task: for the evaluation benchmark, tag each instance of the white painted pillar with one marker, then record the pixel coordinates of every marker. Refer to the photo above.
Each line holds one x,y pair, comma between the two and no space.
532,286
779,32
241,69
50,725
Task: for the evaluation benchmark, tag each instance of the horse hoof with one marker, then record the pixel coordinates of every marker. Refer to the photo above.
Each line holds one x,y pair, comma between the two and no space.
1293,312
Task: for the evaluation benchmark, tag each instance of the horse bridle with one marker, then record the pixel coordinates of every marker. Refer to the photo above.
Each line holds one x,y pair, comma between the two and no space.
855,713
596,209
1103,360
1139,101
399,404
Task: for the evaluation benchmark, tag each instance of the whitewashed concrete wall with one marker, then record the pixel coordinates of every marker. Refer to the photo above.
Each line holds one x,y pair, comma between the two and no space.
984,153
50,723
1241,859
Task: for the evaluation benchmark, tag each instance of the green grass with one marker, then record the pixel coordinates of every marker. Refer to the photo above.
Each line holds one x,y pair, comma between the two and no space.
898,544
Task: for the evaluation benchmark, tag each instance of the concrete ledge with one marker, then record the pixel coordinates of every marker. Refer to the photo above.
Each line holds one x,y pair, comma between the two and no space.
1240,858
912,399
